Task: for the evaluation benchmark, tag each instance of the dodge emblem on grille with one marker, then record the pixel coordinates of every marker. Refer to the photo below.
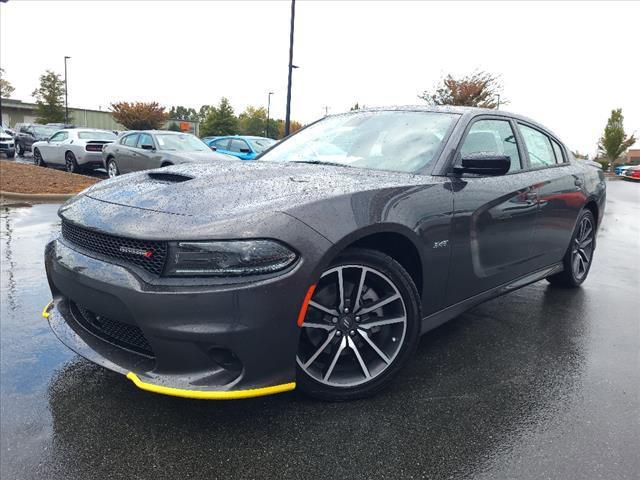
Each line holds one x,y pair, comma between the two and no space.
137,251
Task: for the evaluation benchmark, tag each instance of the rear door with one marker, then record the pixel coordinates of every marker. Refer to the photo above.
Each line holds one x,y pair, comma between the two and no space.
124,152
494,216
561,196
145,156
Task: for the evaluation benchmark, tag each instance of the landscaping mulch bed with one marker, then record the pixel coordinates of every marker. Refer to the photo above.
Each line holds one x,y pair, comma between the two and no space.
30,179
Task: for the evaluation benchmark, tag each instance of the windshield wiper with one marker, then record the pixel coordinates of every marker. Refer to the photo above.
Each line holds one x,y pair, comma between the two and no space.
320,162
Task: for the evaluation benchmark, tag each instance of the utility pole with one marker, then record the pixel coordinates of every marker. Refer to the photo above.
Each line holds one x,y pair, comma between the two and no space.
498,107
66,104
326,110
287,119
266,130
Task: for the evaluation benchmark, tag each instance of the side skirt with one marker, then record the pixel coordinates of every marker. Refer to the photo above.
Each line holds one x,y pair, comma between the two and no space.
436,319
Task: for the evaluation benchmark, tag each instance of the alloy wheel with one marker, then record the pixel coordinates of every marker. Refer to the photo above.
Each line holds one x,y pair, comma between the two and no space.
354,327
70,163
582,251
112,169
37,158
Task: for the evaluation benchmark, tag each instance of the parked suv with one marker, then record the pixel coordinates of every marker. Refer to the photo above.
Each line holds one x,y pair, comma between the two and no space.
6,143
29,133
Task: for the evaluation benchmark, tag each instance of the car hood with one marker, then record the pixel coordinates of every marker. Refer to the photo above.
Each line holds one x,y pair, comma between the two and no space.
188,157
225,189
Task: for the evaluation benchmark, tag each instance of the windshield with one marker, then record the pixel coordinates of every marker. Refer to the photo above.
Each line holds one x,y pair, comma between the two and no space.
44,131
93,135
183,142
261,144
384,140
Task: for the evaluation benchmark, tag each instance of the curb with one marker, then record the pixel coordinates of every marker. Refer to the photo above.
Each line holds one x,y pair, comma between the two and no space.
41,197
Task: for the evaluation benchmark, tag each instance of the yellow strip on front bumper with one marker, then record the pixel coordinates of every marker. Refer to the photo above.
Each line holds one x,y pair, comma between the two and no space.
45,311
211,395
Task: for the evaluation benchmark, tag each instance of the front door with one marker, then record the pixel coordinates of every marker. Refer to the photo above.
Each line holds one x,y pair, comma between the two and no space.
494,216
124,152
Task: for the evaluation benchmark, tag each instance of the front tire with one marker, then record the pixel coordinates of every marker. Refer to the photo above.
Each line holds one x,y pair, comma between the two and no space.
361,327
37,159
579,256
112,168
20,149
70,163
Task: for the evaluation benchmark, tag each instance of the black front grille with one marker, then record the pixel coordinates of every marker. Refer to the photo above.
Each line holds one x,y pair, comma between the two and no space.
112,331
150,255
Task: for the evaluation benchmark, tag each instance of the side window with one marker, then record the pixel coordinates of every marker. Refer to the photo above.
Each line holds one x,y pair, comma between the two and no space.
238,146
145,139
558,151
539,147
493,136
130,140
58,137
222,144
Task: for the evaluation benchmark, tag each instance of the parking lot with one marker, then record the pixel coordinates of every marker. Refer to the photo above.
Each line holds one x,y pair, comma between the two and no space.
541,383
28,159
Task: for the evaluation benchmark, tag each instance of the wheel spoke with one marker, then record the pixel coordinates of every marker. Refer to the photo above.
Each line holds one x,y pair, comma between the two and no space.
340,290
365,370
363,275
383,321
582,263
320,350
586,242
365,335
322,308
341,347
318,325
379,304
586,233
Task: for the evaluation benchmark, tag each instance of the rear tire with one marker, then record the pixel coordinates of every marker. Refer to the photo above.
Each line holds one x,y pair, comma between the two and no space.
20,149
70,163
347,349
579,256
11,155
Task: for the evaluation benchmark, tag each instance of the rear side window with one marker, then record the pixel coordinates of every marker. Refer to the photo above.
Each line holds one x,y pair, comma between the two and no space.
222,144
539,147
493,136
130,140
558,152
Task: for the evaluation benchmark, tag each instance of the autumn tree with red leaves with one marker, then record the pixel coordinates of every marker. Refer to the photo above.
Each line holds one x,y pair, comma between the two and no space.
479,89
139,115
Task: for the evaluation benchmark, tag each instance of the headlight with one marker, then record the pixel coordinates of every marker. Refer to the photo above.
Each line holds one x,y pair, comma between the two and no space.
227,258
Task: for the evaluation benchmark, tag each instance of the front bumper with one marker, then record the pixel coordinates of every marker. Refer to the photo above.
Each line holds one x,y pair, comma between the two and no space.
209,342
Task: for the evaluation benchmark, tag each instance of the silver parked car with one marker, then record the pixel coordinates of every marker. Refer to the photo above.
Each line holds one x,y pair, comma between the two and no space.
76,149
144,150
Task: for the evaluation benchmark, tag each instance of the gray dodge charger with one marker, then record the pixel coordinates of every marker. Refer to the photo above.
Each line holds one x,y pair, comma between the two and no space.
320,264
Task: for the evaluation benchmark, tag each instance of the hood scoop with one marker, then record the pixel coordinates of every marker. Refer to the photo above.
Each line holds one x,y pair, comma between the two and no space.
169,177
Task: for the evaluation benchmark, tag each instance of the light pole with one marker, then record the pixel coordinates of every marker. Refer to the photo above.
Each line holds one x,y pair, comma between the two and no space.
66,104
287,119
498,107
266,130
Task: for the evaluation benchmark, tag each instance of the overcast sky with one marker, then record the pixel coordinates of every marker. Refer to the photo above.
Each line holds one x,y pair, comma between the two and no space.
563,64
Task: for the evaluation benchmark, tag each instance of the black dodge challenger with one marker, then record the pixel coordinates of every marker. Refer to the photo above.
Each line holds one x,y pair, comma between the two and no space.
320,264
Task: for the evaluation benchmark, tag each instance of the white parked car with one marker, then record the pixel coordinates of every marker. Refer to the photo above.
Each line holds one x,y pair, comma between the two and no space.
76,149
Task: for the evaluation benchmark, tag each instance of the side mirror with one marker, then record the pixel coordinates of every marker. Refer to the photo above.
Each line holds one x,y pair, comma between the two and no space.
484,163
146,146
213,148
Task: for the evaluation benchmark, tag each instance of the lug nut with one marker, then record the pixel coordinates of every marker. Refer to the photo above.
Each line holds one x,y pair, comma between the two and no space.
357,319
352,333
338,333
346,310
334,320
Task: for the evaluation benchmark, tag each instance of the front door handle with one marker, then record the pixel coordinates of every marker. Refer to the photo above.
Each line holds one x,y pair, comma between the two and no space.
578,182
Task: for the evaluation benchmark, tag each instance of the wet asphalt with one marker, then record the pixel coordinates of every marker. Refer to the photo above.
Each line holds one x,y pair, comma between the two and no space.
543,383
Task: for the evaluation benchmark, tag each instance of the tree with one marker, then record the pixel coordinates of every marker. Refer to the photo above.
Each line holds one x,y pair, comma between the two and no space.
139,115
174,127
355,107
220,120
293,127
614,142
6,89
479,89
253,121
50,98
184,113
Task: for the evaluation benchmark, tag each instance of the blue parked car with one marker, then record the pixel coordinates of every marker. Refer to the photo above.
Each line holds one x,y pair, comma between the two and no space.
243,147
620,169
